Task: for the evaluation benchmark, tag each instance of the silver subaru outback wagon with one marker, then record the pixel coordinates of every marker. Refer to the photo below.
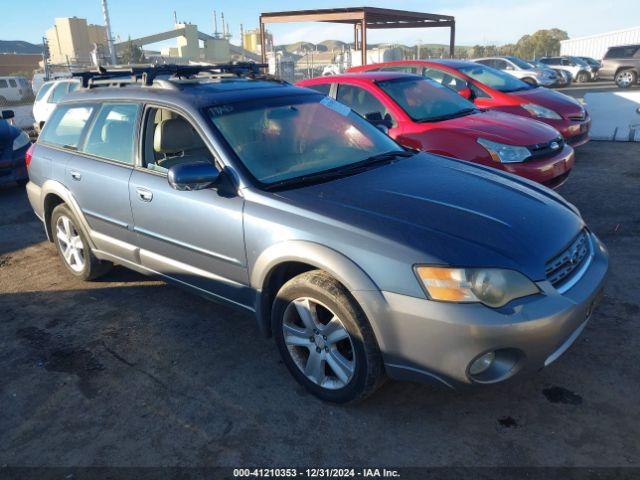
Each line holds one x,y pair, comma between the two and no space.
362,259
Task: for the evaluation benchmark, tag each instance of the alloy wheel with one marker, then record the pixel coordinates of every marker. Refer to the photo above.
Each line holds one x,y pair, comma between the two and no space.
70,243
625,79
318,343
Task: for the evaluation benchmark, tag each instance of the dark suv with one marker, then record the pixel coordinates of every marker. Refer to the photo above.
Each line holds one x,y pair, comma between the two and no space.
621,64
361,258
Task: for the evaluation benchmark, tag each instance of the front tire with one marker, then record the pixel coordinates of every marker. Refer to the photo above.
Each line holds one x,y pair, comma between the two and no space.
325,340
626,78
73,247
583,77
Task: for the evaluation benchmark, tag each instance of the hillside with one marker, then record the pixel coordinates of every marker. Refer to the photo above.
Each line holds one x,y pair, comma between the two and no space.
18,46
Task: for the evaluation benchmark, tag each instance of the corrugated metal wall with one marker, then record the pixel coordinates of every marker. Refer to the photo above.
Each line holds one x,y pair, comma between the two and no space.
596,45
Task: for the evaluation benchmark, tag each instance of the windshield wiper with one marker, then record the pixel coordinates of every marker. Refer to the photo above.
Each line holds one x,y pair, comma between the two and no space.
460,113
343,171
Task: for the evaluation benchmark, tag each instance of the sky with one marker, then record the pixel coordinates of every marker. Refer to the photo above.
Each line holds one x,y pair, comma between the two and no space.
477,21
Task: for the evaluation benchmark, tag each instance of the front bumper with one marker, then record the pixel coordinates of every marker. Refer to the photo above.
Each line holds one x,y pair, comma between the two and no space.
551,172
575,132
12,166
423,340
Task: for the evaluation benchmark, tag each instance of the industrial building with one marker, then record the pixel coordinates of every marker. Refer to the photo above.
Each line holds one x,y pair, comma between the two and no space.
596,46
251,41
71,41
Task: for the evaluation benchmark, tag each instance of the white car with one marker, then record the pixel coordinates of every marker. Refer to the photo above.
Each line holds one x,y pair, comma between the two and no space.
14,89
580,70
49,95
521,69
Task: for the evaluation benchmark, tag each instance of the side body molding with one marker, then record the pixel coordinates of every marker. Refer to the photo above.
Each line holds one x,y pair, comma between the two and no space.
336,264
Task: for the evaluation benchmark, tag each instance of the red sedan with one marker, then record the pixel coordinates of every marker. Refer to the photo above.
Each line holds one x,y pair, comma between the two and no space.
497,90
422,114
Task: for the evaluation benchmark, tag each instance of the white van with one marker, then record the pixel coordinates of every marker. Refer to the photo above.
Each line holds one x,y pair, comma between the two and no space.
49,96
14,89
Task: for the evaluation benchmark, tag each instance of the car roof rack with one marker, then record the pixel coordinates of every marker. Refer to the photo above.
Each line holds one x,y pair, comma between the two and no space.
146,75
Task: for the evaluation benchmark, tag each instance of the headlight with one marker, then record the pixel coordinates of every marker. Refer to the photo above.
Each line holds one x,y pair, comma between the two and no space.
502,153
541,112
493,287
20,141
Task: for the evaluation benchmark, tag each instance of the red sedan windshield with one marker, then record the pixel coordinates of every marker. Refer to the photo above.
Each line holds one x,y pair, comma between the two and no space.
425,100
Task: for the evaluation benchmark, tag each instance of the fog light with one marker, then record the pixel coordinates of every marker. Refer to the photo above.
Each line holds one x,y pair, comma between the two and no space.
482,363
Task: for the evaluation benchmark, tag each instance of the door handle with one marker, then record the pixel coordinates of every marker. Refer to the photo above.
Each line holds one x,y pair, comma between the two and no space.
76,175
144,194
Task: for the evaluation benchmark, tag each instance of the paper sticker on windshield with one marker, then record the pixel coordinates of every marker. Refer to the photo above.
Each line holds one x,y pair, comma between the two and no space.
335,106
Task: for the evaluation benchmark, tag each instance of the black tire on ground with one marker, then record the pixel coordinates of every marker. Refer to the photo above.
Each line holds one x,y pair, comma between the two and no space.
93,268
583,77
319,286
626,78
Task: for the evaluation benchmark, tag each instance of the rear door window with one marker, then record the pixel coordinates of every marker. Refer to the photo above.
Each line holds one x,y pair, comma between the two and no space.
323,88
13,83
43,91
622,52
112,134
66,126
3,84
59,92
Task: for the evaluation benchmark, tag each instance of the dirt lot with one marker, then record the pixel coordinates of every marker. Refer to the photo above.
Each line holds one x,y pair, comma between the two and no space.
131,371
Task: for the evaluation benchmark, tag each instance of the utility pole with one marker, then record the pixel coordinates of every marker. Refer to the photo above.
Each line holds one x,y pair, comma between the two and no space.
45,57
107,26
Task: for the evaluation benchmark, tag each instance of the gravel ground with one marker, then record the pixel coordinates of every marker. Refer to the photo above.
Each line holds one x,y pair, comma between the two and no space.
130,371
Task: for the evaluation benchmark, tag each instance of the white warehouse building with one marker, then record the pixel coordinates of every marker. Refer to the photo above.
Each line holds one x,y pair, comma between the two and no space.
596,46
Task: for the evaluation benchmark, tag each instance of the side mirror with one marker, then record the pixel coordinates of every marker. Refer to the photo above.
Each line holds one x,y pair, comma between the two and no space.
377,120
193,176
7,114
466,92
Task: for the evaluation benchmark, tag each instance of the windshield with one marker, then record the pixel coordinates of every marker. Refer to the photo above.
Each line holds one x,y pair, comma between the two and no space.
290,137
579,61
520,63
425,100
493,78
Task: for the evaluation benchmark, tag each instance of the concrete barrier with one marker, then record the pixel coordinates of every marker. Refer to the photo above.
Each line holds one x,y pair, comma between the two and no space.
614,115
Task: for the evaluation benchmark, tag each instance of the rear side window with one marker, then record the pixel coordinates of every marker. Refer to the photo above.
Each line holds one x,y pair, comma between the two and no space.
66,125
622,52
59,92
13,83
323,88
112,134
3,84
398,68
43,91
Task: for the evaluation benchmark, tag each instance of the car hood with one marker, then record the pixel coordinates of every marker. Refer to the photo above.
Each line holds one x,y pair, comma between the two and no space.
502,127
559,102
445,211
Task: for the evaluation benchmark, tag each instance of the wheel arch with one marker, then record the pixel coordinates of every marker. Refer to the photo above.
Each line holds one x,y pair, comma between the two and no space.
283,261
53,194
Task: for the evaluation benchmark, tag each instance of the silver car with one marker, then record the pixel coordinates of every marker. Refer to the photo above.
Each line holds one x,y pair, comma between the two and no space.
521,69
361,258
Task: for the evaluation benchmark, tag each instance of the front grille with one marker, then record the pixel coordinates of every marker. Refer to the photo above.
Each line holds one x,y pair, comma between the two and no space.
546,149
578,117
566,268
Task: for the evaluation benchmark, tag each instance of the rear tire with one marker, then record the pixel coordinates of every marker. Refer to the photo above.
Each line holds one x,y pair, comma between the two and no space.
583,77
73,247
626,78
325,340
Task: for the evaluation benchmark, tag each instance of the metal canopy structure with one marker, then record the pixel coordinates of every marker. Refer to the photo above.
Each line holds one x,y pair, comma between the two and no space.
362,18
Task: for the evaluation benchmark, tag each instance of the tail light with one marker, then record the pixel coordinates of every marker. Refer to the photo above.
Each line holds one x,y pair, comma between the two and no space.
29,155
